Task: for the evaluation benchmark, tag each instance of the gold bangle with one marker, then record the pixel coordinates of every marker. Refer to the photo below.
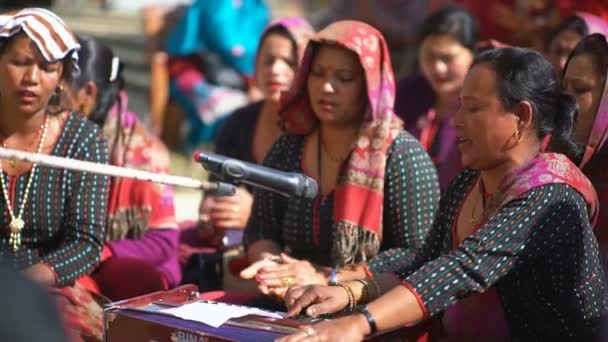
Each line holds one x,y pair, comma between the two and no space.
364,291
351,296
371,290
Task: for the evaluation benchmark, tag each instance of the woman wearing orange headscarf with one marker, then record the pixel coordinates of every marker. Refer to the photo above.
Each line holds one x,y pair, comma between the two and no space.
378,187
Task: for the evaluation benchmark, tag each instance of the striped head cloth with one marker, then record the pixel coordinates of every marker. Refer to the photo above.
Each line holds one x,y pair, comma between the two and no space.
50,34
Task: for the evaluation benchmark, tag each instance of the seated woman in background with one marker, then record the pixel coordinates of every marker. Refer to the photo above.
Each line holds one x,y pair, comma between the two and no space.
428,101
250,131
571,31
212,50
377,187
511,254
586,78
140,252
52,219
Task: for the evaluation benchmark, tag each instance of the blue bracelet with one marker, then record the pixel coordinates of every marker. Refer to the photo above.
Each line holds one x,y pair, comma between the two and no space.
333,277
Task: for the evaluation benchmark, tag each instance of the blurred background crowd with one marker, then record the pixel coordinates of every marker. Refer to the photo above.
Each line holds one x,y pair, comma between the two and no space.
184,113
163,79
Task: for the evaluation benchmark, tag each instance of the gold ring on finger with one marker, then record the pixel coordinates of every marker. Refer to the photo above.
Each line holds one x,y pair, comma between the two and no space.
273,258
308,330
288,281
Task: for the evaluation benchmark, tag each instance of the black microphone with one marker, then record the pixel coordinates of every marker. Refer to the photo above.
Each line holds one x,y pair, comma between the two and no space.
289,184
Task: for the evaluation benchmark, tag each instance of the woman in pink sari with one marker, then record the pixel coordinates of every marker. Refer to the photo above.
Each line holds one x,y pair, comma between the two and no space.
586,77
569,33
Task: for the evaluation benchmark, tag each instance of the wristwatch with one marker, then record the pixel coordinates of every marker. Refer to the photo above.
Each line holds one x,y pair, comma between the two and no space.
362,309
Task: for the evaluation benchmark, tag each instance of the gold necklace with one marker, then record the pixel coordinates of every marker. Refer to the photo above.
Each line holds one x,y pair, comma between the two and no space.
17,224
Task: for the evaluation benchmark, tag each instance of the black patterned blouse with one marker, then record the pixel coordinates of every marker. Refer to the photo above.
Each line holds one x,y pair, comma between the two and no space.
538,252
411,193
235,136
65,213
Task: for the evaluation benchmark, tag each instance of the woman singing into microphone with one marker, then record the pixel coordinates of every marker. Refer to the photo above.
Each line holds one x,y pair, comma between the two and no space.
511,255
378,187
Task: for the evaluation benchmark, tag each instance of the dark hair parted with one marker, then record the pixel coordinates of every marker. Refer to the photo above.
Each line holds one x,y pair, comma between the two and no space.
95,61
283,32
454,21
54,106
573,23
525,75
595,46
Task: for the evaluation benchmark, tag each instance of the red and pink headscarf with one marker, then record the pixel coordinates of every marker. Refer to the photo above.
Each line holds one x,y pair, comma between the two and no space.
594,23
595,155
297,28
359,195
598,30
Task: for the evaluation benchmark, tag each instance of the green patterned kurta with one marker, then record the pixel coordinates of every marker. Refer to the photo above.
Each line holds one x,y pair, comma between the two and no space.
66,211
411,193
538,251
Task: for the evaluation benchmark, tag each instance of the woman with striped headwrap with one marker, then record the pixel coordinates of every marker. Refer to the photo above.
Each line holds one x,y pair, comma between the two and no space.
52,221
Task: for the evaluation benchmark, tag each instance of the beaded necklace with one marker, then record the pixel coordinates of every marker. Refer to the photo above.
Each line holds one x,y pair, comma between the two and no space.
17,224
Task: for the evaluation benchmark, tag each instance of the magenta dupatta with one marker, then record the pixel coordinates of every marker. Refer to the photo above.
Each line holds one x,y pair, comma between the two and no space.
599,132
548,168
595,156
481,316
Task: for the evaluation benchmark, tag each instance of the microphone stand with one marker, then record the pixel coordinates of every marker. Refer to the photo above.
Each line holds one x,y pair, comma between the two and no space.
218,188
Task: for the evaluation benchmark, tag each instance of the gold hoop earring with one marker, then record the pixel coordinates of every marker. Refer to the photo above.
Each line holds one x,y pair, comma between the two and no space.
59,90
